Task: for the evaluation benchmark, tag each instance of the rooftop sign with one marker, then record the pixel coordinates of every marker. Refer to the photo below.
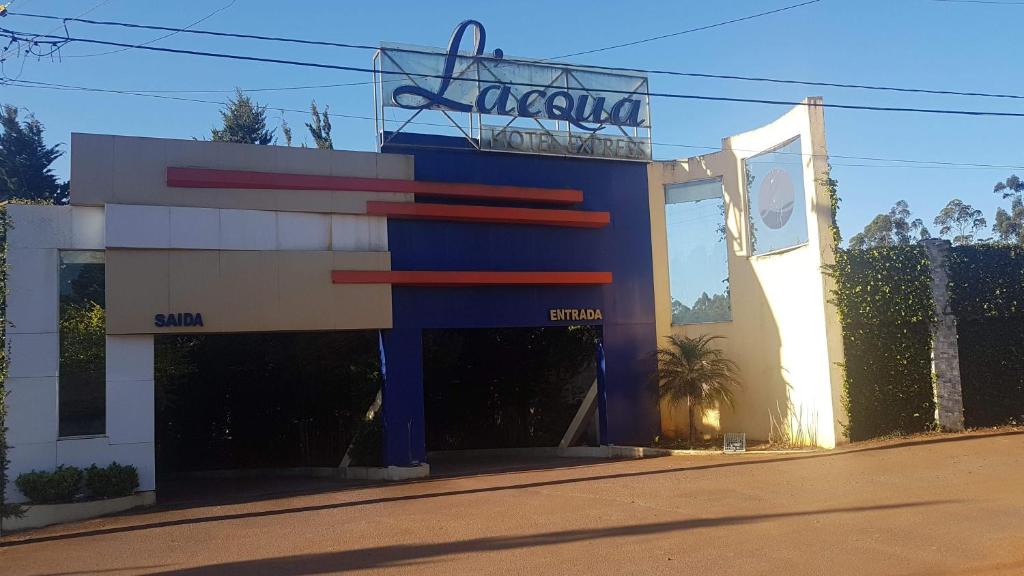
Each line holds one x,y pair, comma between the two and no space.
534,107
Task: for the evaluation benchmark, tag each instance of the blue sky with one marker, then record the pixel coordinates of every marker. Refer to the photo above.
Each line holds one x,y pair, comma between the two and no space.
920,43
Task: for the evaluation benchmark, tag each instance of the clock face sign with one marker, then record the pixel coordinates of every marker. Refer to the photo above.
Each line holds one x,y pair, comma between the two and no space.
775,199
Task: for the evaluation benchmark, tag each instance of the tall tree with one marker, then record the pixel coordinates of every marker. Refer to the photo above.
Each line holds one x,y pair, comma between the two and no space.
320,129
1009,225
25,160
245,122
961,220
895,228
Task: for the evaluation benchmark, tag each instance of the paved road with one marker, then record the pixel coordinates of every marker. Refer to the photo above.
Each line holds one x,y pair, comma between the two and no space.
944,505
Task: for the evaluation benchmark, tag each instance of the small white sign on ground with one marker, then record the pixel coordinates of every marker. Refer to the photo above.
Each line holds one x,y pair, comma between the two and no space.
735,442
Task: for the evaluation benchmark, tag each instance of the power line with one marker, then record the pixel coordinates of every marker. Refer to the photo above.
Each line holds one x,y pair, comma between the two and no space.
672,95
678,73
997,2
916,163
159,38
680,33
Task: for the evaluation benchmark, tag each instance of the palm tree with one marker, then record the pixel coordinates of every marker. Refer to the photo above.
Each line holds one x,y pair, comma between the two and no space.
694,371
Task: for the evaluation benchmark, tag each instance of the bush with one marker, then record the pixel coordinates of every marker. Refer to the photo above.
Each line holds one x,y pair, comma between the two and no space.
884,300
368,445
114,481
61,485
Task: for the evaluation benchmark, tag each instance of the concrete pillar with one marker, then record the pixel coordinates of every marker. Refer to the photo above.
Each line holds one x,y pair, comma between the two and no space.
949,404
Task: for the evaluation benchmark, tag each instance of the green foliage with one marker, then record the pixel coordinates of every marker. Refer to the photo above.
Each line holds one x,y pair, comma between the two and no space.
7,510
987,297
25,160
62,485
82,337
693,371
1009,225
832,189
245,122
714,308
114,481
883,296
960,220
896,228
368,445
320,129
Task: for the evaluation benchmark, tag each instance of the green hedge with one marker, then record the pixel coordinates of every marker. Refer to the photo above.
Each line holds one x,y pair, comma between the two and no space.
886,309
987,297
69,484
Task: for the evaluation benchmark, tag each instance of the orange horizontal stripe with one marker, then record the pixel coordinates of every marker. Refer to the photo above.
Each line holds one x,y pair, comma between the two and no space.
210,178
469,278
498,215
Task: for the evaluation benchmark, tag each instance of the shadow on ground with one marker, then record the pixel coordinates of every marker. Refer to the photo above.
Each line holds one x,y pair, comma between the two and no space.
404,555
15,540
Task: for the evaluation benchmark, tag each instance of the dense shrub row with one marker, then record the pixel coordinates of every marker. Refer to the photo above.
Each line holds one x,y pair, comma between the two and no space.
886,309
68,483
987,297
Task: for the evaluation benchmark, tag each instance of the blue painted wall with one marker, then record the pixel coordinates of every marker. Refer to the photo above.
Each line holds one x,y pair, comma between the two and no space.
623,248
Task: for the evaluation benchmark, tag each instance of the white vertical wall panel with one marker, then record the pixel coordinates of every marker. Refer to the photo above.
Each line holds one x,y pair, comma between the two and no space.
130,389
33,290
138,226
141,455
26,458
196,228
130,357
357,232
130,409
248,230
83,452
88,228
33,355
37,226
303,231
230,229
31,410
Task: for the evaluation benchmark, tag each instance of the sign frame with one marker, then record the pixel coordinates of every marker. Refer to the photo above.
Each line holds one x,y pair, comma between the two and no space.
611,120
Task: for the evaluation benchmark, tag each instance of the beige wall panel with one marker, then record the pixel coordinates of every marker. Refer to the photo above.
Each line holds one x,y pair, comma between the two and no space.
138,286
243,291
248,282
140,174
304,284
398,167
354,164
358,305
131,170
92,169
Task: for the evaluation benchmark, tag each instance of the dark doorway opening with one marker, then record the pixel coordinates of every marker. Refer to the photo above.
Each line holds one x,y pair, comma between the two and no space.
261,400
506,387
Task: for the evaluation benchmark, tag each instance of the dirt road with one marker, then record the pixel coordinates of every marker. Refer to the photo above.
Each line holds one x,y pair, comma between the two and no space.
933,506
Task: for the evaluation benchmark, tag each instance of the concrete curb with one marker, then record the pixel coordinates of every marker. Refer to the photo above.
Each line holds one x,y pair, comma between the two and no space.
388,474
40,515
638,452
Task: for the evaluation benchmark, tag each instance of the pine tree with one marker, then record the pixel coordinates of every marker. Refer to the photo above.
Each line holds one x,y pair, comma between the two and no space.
25,161
245,122
320,129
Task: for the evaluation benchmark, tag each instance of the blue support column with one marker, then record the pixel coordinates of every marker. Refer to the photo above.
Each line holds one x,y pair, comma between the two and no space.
402,398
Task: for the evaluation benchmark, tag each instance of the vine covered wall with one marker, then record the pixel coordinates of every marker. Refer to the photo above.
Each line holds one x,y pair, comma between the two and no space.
987,298
885,305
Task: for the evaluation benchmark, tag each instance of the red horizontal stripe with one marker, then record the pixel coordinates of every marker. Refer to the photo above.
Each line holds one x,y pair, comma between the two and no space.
209,178
539,216
460,278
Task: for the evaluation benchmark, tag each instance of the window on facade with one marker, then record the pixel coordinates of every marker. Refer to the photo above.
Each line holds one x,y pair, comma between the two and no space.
698,265
82,393
775,195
